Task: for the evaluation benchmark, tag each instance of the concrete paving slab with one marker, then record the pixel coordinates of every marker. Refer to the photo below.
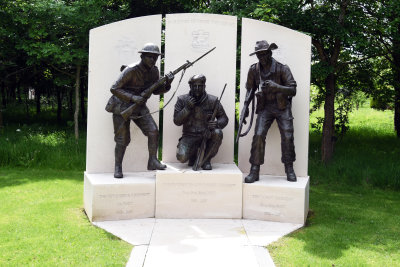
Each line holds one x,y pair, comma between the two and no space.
262,233
198,242
135,232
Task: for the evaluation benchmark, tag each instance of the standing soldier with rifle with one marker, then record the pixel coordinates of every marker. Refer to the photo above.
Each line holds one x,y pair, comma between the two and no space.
203,119
274,102
128,90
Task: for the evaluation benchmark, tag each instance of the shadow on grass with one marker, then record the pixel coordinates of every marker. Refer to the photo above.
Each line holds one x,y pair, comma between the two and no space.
362,157
16,176
344,218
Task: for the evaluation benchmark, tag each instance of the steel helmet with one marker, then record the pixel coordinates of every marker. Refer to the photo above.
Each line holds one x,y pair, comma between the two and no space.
150,48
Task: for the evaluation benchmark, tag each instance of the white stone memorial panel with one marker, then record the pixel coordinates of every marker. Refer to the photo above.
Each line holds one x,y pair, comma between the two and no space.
188,36
109,199
111,46
275,199
184,193
294,50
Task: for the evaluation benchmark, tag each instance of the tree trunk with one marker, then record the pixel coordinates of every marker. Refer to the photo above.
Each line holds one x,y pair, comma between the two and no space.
82,98
59,104
19,91
396,84
76,114
38,94
328,130
70,102
3,94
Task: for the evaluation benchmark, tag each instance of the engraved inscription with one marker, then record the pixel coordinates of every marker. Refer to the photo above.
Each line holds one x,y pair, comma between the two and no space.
203,21
124,204
200,193
127,49
200,39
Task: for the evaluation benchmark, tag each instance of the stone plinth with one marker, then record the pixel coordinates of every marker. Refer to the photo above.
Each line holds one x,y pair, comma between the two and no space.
184,193
273,198
107,198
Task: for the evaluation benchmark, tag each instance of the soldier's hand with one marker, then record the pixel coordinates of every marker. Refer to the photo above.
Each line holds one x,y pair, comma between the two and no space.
170,77
207,134
271,86
190,103
212,125
246,112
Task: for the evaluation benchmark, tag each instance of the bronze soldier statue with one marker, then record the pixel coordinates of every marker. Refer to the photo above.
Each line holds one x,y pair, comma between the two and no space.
274,102
194,111
128,90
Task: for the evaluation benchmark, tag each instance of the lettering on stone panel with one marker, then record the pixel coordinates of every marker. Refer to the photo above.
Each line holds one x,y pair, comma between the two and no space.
202,21
201,40
126,48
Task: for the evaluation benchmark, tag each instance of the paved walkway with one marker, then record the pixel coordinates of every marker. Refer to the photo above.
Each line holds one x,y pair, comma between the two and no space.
198,242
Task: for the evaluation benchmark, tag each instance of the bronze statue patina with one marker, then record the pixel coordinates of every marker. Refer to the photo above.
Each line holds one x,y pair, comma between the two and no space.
203,119
274,86
129,94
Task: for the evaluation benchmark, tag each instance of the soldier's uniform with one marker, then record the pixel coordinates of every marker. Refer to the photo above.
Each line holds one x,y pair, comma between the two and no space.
270,107
127,90
132,82
195,123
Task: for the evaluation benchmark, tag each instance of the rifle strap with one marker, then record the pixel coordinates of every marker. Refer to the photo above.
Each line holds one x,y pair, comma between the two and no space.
169,100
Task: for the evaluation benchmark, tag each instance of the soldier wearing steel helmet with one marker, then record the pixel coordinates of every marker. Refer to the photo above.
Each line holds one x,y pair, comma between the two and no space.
126,90
274,102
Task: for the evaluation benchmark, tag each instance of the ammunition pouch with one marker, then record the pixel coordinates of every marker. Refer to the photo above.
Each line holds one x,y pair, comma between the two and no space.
260,101
113,105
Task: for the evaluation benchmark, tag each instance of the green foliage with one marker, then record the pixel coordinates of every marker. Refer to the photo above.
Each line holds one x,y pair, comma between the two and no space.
35,147
367,155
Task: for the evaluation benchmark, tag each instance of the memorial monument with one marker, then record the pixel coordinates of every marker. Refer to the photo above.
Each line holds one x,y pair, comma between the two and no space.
213,191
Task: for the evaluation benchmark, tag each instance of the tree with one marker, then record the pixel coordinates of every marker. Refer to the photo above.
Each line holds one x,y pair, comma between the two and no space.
54,35
384,36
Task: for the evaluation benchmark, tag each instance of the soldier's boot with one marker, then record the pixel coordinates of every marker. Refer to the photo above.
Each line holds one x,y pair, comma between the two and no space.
207,165
154,163
192,161
254,174
119,156
291,176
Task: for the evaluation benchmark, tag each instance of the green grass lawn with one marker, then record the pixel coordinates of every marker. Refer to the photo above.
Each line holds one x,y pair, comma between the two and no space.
354,217
42,222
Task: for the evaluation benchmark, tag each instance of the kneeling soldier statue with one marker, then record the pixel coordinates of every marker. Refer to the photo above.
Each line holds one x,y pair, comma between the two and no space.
128,91
274,102
203,119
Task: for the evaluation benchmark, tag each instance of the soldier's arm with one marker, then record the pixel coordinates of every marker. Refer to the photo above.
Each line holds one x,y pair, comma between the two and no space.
222,119
288,86
165,87
118,88
181,112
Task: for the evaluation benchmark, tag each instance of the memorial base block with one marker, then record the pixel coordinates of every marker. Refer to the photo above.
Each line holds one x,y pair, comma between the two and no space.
182,193
273,198
108,199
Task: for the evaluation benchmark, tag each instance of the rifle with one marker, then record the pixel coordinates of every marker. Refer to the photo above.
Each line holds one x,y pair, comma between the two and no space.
202,148
147,93
249,99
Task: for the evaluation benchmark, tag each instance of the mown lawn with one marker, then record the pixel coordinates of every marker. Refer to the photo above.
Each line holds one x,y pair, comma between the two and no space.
354,217
42,222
